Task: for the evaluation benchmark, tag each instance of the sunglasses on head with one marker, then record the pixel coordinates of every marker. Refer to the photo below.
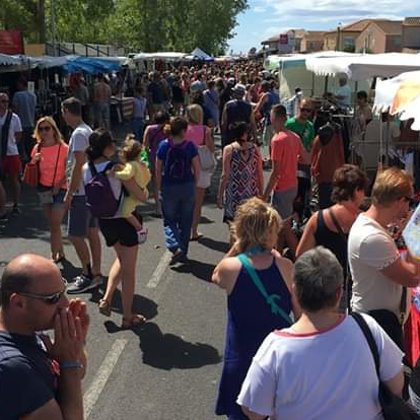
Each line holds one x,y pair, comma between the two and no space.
44,128
50,299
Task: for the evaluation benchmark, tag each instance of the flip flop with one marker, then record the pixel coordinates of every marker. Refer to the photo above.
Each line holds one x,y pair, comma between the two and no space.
196,237
134,321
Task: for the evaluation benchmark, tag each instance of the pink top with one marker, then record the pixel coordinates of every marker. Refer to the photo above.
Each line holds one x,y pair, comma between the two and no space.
196,134
49,159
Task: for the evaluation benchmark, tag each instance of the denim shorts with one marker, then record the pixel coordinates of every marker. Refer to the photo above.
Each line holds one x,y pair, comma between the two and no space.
57,200
80,218
283,202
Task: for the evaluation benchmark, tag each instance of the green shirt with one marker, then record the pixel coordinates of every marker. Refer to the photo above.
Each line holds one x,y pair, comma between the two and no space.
305,131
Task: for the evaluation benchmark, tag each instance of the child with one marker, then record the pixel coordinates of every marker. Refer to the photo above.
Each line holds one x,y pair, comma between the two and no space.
133,168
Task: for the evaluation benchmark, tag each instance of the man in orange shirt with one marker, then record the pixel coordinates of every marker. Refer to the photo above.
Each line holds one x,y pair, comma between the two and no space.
286,151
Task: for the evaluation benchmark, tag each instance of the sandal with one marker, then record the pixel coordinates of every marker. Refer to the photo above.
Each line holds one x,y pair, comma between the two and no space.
59,257
134,321
104,307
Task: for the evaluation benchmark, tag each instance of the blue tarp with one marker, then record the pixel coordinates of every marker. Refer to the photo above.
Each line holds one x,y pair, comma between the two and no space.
92,65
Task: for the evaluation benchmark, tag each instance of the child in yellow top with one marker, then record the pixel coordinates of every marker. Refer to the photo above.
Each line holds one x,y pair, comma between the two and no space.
133,168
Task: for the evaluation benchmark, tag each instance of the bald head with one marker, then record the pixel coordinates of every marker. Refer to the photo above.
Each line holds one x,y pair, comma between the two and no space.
24,270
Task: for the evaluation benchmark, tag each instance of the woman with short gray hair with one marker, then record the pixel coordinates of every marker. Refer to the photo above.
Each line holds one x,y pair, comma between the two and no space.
310,369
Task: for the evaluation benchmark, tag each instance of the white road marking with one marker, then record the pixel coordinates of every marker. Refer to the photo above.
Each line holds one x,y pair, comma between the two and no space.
160,270
91,396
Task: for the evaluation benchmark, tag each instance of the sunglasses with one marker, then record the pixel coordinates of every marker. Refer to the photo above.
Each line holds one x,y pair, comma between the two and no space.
306,109
44,128
4,101
51,299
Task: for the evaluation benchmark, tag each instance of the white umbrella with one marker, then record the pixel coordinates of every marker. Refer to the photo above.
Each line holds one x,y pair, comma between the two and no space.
400,95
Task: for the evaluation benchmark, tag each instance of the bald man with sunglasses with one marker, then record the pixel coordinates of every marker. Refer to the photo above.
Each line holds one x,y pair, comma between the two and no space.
40,379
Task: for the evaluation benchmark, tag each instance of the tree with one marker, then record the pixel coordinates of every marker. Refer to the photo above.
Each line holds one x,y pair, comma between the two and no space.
147,25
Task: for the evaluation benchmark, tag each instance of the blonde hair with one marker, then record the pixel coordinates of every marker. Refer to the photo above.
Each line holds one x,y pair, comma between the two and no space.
50,120
254,220
195,114
391,185
130,149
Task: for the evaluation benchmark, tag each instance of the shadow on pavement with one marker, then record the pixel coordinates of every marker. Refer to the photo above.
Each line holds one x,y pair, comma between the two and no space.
214,244
141,304
168,351
198,269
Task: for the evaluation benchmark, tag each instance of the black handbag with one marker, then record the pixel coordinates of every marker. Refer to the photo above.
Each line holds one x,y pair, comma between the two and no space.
393,407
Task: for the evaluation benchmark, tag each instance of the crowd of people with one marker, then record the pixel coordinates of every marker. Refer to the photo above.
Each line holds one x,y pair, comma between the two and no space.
296,344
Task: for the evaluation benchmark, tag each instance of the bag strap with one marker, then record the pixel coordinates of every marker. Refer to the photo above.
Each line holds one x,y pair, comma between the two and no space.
56,165
204,135
92,168
369,338
336,224
4,133
270,299
403,305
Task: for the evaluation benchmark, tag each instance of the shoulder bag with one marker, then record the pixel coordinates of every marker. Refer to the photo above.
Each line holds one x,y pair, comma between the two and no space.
393,407
207,161
271,300
31,172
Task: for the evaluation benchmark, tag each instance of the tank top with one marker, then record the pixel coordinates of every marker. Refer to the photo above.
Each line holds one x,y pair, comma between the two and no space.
331,240
249,321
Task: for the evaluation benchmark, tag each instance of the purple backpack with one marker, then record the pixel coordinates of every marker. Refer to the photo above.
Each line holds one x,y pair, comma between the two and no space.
99,195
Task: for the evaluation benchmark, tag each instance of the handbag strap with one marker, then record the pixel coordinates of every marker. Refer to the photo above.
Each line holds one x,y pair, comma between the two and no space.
204,135
337,225
270,299
56,165
369,338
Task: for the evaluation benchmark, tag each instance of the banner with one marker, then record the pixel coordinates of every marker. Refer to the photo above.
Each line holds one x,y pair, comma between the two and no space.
11,42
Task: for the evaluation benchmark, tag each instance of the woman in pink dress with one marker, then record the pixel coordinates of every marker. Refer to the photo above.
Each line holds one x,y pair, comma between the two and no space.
201,136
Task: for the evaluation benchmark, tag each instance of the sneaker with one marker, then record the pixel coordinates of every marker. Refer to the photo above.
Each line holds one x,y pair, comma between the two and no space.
83,283
142,235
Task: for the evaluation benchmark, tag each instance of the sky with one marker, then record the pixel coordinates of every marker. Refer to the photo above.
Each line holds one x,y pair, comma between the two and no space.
266,18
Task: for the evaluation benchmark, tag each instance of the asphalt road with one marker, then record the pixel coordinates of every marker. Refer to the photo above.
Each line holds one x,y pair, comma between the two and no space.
169,368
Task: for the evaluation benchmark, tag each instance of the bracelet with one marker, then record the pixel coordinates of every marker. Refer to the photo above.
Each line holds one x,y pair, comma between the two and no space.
71,365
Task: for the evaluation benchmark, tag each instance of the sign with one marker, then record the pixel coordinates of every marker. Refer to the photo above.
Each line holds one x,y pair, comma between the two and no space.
11,42
284,39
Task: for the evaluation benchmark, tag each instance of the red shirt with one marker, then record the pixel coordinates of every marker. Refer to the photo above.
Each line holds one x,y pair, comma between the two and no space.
286,149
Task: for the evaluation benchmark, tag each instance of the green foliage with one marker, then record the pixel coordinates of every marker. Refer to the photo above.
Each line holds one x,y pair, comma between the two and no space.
146,25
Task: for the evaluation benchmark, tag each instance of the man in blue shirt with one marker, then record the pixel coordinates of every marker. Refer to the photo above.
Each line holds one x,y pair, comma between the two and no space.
40,379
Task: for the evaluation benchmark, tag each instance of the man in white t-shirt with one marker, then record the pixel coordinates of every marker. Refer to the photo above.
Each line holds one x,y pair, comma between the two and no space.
321,367
379,273
343,94
10,164
81,224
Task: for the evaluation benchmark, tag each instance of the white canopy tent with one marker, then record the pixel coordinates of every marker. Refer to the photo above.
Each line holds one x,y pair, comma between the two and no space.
293,73
364,66
165,56
199,54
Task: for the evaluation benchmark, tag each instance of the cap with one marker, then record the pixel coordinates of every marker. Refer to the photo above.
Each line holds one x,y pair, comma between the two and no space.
239,89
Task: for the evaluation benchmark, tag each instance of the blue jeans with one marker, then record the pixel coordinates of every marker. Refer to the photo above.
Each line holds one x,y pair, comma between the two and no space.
137,125
177,210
